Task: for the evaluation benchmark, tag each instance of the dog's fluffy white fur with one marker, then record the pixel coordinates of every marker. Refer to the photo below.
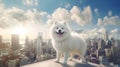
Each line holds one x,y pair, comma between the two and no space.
67,43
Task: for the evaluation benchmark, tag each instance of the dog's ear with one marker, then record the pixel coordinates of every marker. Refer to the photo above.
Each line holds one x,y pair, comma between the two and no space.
55,22
65,23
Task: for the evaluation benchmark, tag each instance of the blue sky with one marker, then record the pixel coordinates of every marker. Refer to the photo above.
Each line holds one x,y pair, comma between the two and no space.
82,13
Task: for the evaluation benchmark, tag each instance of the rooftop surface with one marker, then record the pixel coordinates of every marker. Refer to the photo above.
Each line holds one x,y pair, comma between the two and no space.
73,63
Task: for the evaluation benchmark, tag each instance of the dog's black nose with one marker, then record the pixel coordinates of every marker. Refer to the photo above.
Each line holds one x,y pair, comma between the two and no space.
59,31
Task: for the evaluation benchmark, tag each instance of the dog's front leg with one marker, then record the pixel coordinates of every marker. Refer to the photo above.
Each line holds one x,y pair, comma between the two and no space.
66,55
71,56
58,57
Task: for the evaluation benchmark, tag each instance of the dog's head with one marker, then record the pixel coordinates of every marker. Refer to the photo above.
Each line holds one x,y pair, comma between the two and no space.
60,30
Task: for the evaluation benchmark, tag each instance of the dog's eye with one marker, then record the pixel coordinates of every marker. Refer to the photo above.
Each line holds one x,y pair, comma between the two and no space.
57,27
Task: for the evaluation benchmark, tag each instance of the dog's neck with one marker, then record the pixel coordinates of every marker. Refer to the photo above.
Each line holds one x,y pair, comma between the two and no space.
64,39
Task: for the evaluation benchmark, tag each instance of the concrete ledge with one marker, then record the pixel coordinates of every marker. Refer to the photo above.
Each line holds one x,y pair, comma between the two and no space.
73,63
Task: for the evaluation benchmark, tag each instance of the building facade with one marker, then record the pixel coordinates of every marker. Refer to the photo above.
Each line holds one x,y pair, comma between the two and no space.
15,42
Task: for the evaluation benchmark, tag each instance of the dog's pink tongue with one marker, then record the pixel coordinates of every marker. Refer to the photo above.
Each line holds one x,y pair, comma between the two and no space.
59,35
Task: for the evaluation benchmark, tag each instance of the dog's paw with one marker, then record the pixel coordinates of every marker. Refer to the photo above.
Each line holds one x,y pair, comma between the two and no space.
84,61
64,63
56,61
70,59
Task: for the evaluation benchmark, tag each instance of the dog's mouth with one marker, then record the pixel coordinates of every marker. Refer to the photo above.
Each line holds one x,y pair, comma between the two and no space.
60,33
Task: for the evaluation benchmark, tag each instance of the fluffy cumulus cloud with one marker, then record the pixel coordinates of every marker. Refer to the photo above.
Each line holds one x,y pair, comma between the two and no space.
115,33
112,20
91,34
15,16
30,2
96,11
67,5
1,7
35,16
60,14
81,17
74,15
109,20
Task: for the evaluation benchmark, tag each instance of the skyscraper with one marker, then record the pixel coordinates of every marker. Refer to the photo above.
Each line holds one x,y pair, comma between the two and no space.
0,39
15,42
105,35
26,40
39,41
27,43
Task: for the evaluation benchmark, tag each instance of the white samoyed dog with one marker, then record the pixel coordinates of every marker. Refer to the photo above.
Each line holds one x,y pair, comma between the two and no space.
66,42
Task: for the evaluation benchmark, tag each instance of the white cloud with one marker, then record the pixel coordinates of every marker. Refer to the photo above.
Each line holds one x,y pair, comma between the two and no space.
75,10
35,16
92,34
110,13
109,20
60,14
30,2
15,16
75,15
81,17
1,7
67,5
96,11
115,33
112,20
